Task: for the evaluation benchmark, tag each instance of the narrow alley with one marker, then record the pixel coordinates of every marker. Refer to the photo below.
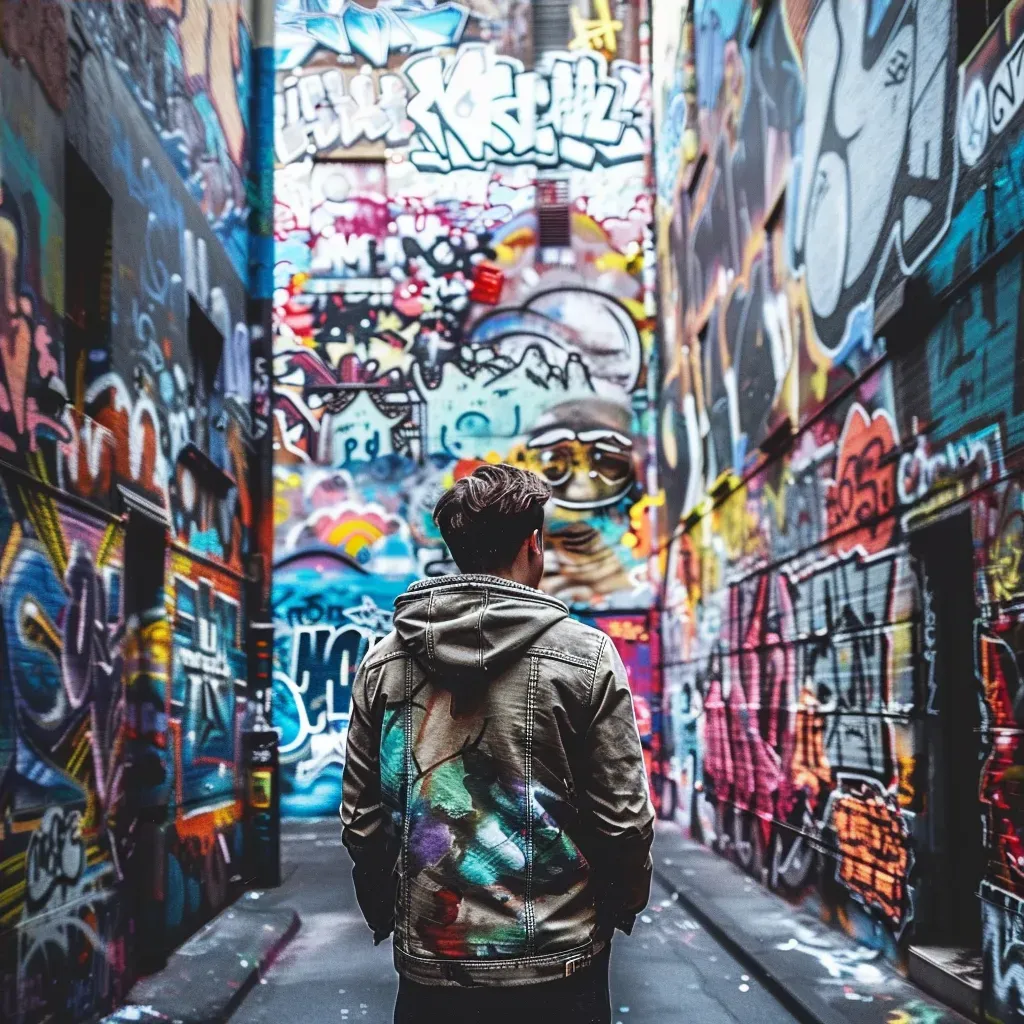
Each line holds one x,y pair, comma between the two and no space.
670,971
536,429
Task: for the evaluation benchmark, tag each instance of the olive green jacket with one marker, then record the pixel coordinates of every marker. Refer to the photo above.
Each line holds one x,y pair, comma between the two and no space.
495,800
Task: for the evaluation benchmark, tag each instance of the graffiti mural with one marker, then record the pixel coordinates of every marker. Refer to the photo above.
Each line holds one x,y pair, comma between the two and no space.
339,110
1001,941
841,462
344,551
308,29
205,709
638,646
127,424
780,314
874,179
312,694
188,68
571,113
66,841
30,366
423,322
134,423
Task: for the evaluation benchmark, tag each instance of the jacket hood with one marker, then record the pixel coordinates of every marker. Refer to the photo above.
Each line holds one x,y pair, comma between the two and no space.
459,627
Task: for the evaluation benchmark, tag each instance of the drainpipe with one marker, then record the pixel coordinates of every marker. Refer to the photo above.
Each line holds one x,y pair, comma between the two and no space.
261,281
260,768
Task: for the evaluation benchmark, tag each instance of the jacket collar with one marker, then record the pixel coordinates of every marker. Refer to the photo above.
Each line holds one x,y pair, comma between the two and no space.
467,581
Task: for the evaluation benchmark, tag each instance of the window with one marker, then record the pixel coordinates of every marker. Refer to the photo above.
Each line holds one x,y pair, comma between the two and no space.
88,256
551,26
553,224
144,551
206,347
973,20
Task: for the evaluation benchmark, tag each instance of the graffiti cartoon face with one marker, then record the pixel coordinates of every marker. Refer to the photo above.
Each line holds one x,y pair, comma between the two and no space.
584,451
592,469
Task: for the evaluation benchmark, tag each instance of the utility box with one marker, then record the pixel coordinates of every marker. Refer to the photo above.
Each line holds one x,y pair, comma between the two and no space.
262,807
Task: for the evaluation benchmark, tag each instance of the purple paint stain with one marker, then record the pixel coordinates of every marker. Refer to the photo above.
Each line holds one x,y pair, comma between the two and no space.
429,841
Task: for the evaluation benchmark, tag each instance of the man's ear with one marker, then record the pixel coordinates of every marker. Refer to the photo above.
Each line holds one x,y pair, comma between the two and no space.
537,542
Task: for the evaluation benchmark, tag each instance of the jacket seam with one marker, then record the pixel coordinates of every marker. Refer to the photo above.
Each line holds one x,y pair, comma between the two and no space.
480,627
430,630
531,696
470,583
556,655
478,578
407,758
593,678
384,659
369,697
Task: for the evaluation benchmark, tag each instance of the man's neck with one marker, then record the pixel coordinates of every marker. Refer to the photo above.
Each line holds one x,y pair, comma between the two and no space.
511,575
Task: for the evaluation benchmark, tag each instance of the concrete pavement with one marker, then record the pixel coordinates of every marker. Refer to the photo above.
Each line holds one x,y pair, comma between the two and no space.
670,971
816,971
713,947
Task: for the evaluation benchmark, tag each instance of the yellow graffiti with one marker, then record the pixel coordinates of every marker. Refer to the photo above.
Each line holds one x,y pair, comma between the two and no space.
640,536
595,33
916,1012
906,792
811,770
41,511
110,547
1006,556
735,524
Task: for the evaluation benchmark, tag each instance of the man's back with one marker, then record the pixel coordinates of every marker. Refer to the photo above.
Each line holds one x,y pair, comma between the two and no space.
495,800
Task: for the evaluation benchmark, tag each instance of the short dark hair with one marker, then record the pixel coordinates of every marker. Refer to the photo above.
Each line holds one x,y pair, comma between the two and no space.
487,515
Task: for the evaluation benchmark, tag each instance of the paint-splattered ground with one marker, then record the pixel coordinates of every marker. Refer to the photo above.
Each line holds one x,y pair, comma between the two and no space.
669,971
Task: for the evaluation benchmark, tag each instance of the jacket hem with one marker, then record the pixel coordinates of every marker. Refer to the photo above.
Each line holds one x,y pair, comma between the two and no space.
504,973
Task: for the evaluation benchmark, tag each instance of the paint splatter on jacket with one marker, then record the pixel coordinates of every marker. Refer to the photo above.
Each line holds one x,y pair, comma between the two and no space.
495,800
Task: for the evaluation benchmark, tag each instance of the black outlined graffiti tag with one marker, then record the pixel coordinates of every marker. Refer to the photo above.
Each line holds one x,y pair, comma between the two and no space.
56,855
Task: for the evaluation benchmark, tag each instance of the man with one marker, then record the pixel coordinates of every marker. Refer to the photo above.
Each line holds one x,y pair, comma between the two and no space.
495,801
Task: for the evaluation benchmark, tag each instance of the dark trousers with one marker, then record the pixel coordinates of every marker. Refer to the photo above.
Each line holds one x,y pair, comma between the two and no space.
580,999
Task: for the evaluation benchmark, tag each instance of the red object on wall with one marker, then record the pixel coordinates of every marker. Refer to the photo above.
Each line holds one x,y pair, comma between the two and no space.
488,282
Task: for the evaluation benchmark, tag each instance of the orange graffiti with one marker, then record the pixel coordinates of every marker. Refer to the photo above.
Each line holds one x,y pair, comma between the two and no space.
810,767
626,629
859,502
872,849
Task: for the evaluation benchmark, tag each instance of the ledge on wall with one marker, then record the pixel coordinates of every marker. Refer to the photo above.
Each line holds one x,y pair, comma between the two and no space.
206,470
726,483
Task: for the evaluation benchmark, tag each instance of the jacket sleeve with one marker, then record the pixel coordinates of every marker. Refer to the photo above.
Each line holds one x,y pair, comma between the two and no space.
366,824
618,816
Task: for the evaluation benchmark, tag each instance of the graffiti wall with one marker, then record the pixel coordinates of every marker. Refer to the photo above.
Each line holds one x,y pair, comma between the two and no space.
838,438
136,422
126,432
463,274
65,840
206,706
344,551
637,641
188,68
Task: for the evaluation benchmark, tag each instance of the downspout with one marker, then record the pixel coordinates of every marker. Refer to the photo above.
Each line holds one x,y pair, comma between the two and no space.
261,281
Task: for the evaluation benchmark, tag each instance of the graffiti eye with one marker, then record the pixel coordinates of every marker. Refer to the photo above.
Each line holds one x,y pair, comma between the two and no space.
612,467
556,466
